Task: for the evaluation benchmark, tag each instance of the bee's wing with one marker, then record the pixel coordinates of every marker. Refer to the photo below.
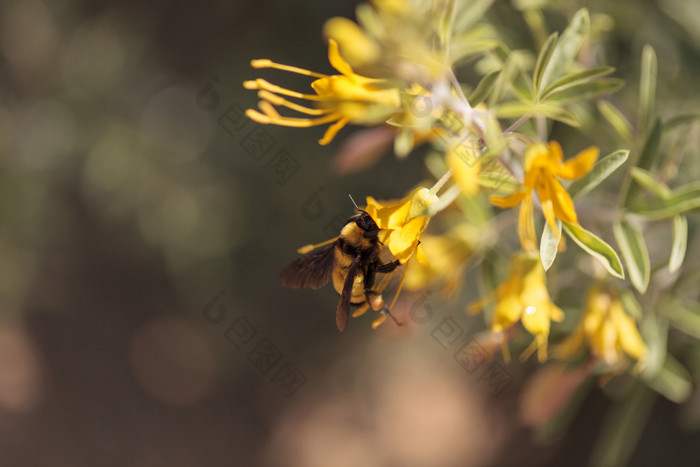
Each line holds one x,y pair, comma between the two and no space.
311,270
341,313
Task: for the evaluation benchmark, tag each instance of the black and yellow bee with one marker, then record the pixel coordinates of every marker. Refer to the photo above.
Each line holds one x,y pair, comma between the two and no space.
352,259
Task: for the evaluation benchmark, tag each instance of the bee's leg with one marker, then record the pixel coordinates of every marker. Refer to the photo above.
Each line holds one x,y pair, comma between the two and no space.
374,299
388,267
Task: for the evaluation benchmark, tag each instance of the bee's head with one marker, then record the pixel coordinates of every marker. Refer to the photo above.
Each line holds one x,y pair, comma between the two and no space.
366,223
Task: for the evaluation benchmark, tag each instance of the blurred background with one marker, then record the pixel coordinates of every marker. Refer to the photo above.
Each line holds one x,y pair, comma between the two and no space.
144,223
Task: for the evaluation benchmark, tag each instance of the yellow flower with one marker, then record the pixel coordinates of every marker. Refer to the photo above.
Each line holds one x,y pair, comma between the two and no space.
607,330
543,164
343,98
523,297
357,47
401,222
449,254
463,159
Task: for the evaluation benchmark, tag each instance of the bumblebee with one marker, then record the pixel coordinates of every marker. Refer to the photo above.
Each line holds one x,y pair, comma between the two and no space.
352,260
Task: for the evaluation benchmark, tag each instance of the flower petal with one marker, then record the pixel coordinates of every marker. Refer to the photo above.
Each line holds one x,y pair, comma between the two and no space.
628,335
571,345
579,165
402,242
509,201
562,204
388,214
526,225
464,161
556,155
337,61
420,256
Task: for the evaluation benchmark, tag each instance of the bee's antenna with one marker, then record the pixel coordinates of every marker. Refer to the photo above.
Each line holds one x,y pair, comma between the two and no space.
353,201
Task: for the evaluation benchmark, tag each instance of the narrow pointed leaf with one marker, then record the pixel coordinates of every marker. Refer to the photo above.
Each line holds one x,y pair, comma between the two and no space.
673,381
585,91
683,318
549,245
542,61
567,47
680,243
556,112
575,79
601,170
654,331
616,118
484,87
504,183
647,158
681,120
471,14
682,199
597,248
513,109
634,251
647,86
647,181
631,305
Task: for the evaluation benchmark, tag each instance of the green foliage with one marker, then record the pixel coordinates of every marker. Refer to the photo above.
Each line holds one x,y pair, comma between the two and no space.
635,253
597,248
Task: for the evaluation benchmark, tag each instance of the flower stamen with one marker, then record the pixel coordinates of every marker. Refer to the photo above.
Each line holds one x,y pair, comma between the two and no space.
260,83
274,99
266,63
289,121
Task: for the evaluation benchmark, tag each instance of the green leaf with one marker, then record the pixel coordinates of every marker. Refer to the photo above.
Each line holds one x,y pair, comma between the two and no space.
597,248
683,318
630,304
682,200
574,79
647,158
567,48
654,331
513,109
673,381
647,181
587,90
680,243
601,170
647,86
681,120
623,427
536,22
403,144
556,112
549,244
618,121
444,21
471,13
484,87
542,61
502,182
634,251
